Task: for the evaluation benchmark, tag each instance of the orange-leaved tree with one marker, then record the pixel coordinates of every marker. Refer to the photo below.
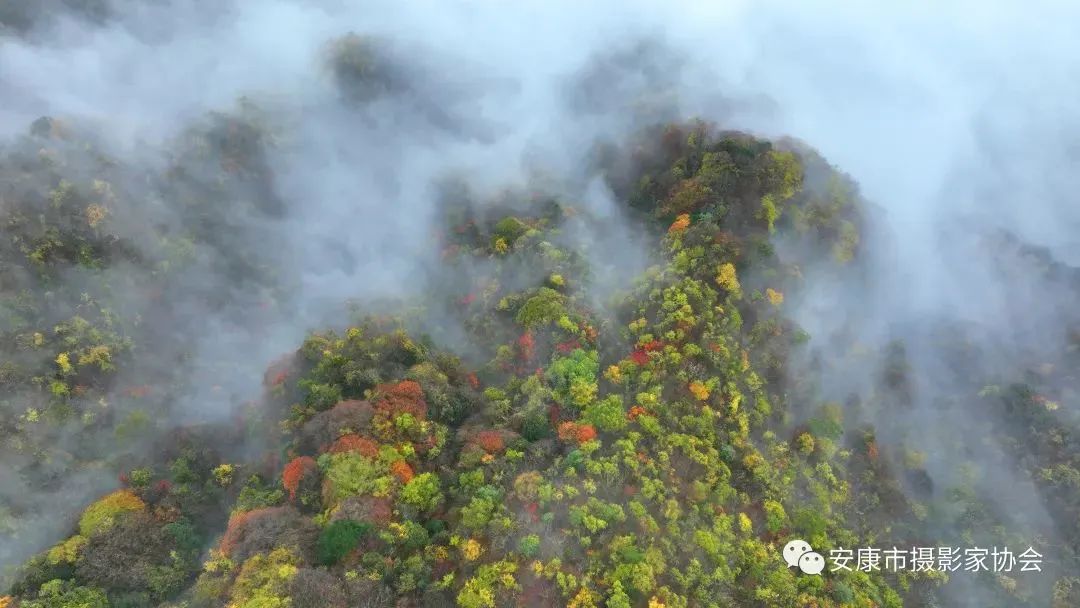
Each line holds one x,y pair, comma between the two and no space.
294,473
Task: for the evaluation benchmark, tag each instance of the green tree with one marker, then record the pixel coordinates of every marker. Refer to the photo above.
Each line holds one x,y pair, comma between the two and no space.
65,594
529,545
338,539
544,307
608,414
618,597
574,377
423,492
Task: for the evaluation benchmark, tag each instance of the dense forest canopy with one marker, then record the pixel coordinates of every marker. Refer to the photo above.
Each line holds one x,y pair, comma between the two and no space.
372,331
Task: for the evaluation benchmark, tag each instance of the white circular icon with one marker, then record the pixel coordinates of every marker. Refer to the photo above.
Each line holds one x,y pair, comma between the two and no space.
811,563
794,550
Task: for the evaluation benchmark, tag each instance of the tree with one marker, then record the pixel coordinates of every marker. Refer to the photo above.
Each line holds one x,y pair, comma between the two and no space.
477,513
66,594
317,588
423,492
776,518
727,279
681,223
479,591
355,443
529,545
606,415
574,377
262,530
264,580
618,597
338,539
105,512
580,433
351,474
401,470
136,555
405,397
294,473
544,307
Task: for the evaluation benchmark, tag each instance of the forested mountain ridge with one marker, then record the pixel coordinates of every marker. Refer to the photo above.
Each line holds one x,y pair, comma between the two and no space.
653,447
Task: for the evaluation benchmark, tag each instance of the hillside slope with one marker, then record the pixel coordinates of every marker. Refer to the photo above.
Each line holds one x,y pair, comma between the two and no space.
655,446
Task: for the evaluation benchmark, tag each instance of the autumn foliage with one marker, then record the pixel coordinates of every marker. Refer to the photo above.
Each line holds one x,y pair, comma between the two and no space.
700,391
572,431
402,471
355,443
526,346
294,473
491,441
640,356
568,346
405,397
508,495
103,513
681,223
652,345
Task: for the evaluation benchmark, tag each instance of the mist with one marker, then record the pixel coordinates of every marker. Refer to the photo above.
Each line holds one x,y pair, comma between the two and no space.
957,120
